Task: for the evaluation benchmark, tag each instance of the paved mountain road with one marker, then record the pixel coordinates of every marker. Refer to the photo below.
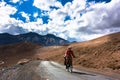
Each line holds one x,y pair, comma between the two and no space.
45,70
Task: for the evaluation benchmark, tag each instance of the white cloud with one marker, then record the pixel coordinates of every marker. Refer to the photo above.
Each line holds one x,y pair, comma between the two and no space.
14,26
5,12
14,1
8,24
11,25
103,16
43,4
35,14
46,4
18,1
98,19
25,15
35,26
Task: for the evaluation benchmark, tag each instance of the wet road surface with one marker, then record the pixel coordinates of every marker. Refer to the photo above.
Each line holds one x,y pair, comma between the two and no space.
46,70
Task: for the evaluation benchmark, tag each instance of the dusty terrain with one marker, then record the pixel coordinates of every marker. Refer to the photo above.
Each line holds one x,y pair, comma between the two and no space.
15,53
99,55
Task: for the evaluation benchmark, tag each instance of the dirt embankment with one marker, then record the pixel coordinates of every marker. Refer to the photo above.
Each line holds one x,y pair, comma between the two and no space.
14,53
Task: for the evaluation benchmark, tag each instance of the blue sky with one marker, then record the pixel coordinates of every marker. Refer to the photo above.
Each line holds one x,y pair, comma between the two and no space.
78,20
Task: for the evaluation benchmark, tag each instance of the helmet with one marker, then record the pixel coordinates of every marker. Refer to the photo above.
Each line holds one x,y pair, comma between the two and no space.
69,47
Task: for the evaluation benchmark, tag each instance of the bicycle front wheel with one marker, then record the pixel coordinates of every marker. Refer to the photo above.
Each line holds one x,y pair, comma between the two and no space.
71,69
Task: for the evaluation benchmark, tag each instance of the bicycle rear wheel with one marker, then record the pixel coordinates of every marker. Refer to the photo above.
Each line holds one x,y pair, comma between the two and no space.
71,69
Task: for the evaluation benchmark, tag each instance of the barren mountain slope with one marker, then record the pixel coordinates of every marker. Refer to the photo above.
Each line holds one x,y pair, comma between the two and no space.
103,52
11,54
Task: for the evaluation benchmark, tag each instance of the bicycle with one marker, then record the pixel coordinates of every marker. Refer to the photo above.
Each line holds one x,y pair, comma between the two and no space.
69,66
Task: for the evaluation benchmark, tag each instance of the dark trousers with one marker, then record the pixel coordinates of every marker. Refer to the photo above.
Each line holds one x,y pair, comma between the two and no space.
64,60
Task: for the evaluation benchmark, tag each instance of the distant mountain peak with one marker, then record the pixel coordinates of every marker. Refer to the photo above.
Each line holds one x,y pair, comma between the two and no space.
51,35
32,37
5,34
30,33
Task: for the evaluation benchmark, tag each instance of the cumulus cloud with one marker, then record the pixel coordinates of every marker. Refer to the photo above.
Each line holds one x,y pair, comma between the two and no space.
86,20
18,1
26,16
98,19
12,26
14,1
6,9
5,12
12,29
35,14
46,4
37,27
8,24
102,17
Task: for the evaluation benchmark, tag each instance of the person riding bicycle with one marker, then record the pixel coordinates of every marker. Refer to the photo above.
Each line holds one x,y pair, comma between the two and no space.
68,56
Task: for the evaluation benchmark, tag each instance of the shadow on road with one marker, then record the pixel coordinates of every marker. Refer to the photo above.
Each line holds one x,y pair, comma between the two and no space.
82,73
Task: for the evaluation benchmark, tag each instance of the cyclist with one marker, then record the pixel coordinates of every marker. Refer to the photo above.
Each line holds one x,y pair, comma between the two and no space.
68,56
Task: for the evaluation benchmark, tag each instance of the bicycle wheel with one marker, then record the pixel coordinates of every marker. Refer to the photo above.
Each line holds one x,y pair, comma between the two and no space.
69,66
71,69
